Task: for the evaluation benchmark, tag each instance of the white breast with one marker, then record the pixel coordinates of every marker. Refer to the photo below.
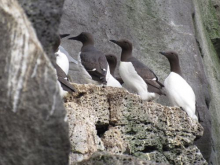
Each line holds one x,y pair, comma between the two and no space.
180,93
62,92
134,81
62,50
111,81
62,61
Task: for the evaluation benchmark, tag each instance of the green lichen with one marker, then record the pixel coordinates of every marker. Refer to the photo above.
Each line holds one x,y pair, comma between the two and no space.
210,18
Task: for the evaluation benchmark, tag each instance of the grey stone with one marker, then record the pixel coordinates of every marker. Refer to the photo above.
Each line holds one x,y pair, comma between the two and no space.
100,158
212,67
32,126
45,17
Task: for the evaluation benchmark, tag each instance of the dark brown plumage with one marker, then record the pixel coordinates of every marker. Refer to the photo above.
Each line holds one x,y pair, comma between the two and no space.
62,78
94,61
174,61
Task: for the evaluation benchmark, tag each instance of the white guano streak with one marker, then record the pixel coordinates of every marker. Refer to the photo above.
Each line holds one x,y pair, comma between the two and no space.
18,66
54,103
35,67
19,51
172,24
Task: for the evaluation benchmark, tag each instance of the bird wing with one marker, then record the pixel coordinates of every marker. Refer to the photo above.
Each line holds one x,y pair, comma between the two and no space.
60,72
62,78
96,65
66,85
148,76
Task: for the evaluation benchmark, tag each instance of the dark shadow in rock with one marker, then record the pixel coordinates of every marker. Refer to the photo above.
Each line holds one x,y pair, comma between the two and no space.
101,129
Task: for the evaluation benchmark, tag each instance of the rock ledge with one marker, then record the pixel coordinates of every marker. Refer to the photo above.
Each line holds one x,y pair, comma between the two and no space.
120,123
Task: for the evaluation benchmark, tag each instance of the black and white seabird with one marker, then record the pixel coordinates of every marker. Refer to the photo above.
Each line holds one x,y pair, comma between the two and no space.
63,82
111,79
62,68
136,75
61,50
93,63
177,89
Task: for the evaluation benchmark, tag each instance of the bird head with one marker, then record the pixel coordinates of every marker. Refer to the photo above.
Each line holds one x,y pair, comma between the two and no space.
171,55
123,43
83,37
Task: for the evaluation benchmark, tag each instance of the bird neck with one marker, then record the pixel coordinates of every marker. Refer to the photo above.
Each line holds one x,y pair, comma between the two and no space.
125,54
112,68
175,67
86,46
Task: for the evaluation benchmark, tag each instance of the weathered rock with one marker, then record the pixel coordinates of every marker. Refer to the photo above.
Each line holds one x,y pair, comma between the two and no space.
32,126
101,158
45,17
216,12
212,68
211,20
113,120
153,26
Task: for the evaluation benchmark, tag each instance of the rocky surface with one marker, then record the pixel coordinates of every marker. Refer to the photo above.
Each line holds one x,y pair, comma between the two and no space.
45,17
208,34
191,28
114,120
109,159
32,126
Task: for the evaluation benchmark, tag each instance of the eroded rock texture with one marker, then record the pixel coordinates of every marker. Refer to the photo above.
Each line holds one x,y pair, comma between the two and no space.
113,120
110,159
45,17
190,27
32,126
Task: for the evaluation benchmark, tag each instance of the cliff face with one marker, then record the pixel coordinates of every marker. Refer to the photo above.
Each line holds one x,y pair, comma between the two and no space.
118,122
208,36
31,110
191,28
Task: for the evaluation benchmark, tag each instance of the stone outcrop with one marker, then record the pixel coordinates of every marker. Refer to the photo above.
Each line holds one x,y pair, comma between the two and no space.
32,125
118,122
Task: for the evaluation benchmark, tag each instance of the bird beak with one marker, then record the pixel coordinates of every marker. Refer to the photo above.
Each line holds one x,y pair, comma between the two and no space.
64,35
74,38
114,41
163,53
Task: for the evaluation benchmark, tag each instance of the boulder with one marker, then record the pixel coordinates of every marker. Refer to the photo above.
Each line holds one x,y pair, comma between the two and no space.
32,116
